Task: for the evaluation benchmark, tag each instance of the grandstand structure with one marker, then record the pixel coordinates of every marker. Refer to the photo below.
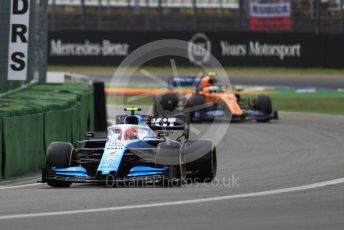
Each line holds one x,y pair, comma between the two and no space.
320,16
151,3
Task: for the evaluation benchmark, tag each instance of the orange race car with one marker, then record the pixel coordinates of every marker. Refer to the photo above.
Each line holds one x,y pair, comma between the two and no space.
212,101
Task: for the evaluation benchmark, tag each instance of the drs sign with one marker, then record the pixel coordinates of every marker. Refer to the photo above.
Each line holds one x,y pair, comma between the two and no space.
18,41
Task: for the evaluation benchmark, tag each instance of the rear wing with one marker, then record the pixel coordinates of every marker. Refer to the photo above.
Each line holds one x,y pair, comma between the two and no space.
176,122
183,81
156,123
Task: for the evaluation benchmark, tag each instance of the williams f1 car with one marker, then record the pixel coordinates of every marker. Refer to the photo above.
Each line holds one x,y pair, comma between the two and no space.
137,149
212,101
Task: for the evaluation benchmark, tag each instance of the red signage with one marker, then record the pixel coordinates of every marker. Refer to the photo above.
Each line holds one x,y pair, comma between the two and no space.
270,16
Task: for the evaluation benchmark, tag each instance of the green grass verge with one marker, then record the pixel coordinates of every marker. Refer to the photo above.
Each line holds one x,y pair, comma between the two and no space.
329,102
238,71
317,102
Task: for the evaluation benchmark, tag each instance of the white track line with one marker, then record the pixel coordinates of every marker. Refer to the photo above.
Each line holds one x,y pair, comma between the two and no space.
175,203
19,186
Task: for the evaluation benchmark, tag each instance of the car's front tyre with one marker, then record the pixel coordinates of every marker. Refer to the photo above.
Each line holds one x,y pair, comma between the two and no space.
59,155
169,154
263,104
201,159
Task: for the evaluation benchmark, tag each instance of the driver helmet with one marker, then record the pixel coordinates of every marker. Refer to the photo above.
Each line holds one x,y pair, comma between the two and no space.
205,82
131,134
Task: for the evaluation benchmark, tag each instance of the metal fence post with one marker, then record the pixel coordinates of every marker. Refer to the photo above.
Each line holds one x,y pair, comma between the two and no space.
43,63
108,7
241,8
317,16
31,59
292,14
311,9
159,15
4,39
53,15
99,14
194,15
244,15
82,16
342,15
147,24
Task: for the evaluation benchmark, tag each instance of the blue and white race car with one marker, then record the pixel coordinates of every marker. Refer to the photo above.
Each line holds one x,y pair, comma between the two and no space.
137,149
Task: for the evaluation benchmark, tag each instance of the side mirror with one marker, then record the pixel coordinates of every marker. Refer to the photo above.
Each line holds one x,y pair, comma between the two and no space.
89,134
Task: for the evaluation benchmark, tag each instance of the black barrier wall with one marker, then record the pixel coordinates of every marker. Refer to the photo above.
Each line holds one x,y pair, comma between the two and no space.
231,49
99,99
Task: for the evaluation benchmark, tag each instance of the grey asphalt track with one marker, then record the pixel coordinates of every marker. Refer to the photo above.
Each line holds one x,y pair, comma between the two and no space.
282,80
297,150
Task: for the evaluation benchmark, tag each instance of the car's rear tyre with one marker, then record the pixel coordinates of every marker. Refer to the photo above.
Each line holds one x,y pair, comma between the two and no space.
169,154
166,104
263,104
200,158
195,104
59,155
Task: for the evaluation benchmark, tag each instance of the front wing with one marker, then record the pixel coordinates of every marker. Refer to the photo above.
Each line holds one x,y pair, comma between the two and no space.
70,175
220,115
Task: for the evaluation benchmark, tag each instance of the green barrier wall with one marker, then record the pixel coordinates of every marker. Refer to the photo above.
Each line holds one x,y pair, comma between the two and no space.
1,154
23,144
32,118
58,126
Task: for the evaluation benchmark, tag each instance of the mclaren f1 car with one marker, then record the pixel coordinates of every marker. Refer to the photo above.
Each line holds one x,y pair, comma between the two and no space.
212,101
137,149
